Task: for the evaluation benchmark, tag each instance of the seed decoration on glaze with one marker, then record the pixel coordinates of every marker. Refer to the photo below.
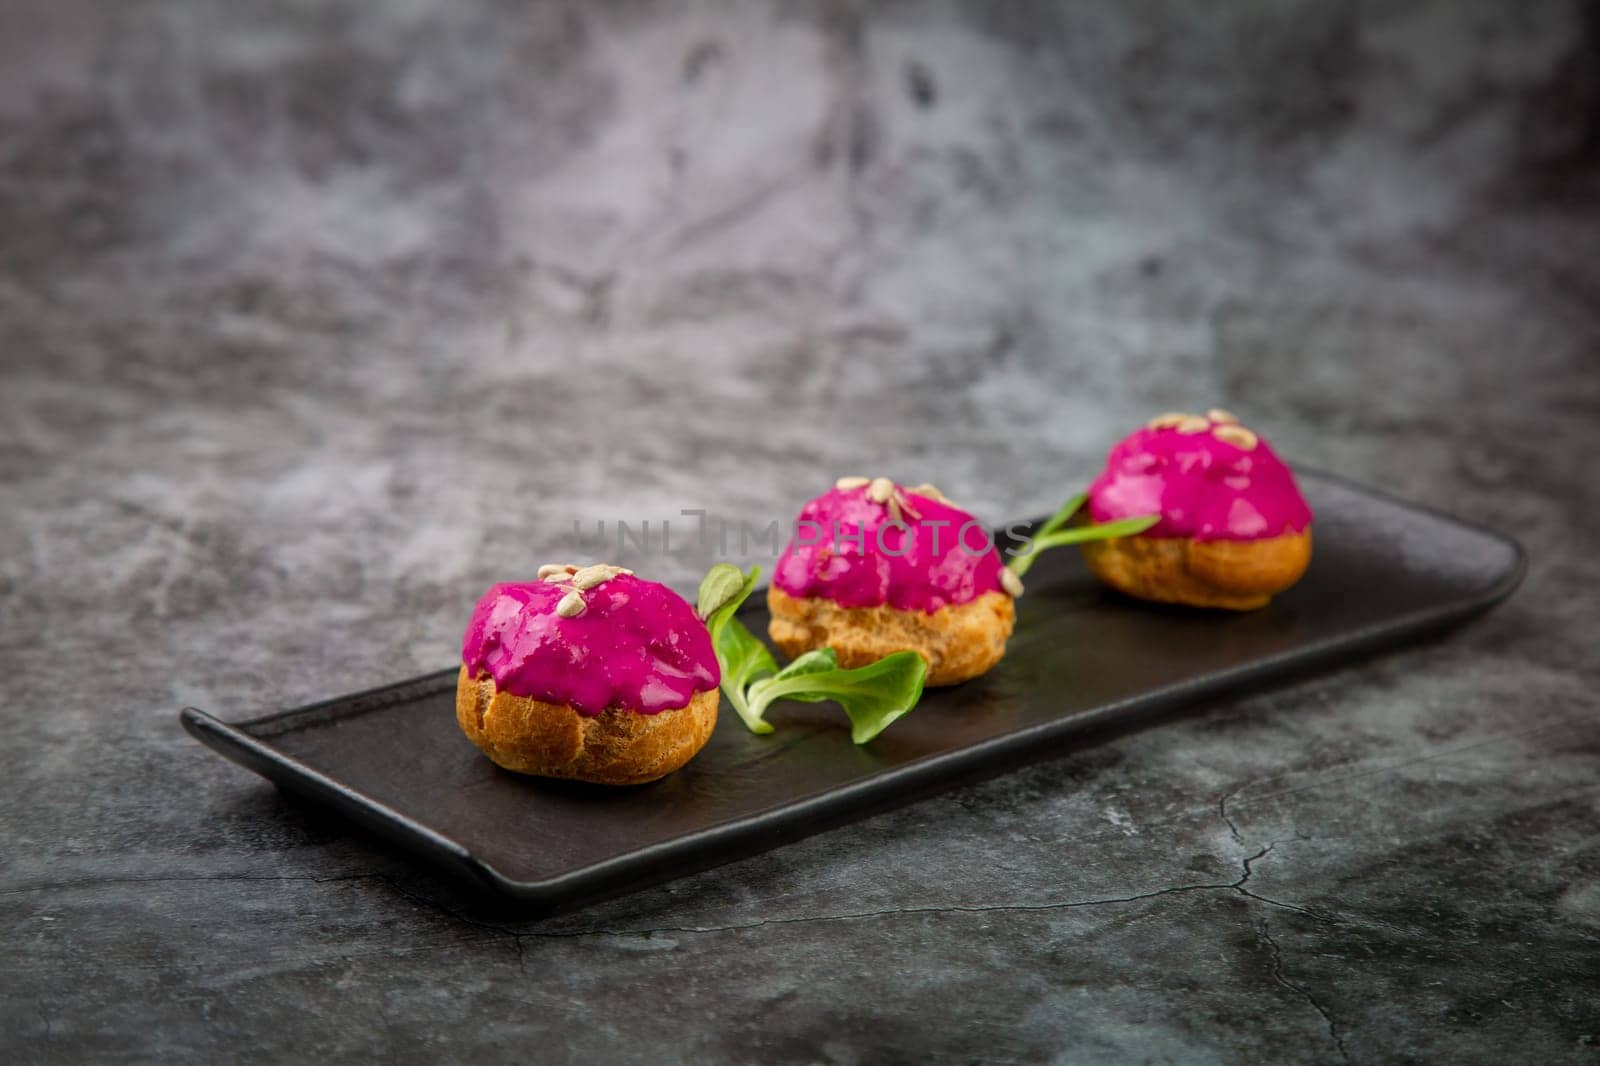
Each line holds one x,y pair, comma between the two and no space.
1237,436
861,526
1209,477
594,576
622,642
1011,583
571,605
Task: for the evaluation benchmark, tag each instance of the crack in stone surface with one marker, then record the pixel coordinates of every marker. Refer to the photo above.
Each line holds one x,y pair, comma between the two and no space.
1222,811
890,912
996,908
432,904
1249,871
1282,979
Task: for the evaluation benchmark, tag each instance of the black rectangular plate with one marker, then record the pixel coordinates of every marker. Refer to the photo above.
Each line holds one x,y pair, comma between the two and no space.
394,760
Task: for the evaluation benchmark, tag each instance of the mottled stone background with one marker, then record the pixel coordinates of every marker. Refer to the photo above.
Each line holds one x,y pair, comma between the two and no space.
316,317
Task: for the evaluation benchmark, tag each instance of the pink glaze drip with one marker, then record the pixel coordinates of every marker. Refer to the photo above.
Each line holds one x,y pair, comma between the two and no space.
638,646
1202,487
920,568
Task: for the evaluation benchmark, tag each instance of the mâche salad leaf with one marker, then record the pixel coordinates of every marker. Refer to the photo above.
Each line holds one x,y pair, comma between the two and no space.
873,696
741,656
1051,534
723,583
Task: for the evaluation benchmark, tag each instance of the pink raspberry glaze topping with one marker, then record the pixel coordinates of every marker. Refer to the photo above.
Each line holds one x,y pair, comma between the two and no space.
1208,478
637,646
920,567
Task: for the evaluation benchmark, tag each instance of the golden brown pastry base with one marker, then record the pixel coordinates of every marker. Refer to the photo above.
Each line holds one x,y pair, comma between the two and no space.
959,642
1237,575
615,747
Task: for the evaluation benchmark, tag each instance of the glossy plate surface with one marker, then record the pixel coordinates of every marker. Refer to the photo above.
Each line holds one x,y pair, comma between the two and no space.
393,759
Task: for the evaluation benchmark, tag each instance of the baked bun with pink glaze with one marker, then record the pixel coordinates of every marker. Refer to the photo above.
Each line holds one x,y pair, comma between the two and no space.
923,575
588,673
1234,529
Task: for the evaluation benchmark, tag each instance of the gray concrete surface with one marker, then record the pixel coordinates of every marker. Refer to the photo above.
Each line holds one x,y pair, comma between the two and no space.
316,318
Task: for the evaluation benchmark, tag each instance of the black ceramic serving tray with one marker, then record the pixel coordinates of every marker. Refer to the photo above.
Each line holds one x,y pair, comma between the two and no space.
393,759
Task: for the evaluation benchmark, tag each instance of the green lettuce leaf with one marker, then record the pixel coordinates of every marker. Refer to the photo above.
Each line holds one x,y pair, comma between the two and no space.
872,696
742,657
